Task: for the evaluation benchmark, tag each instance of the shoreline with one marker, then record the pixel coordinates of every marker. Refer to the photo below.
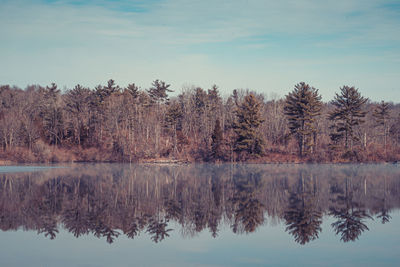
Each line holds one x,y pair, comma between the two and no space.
185,162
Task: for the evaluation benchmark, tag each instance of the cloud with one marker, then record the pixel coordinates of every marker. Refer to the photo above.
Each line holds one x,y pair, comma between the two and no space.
187,22
263,45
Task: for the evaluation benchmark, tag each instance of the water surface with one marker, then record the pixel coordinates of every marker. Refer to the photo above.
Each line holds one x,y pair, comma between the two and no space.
201,215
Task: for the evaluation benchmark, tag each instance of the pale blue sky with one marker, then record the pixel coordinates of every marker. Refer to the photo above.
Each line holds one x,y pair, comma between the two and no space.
267,46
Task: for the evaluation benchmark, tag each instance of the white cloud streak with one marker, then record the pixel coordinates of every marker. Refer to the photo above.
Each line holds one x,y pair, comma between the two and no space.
89,44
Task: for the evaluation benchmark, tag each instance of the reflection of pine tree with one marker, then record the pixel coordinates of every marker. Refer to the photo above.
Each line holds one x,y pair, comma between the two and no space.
157,228
48,227
109,233
249,212
135,225
350,224
384,216
303,219
132,230
217,194
350,217
173,209
76,221
48,205
213,221
99,226
101,229
200,214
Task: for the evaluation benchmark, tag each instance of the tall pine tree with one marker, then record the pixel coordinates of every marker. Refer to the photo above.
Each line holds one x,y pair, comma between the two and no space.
52,115
173,122
246,127
348,114
217,142
159,91
302,106
382,116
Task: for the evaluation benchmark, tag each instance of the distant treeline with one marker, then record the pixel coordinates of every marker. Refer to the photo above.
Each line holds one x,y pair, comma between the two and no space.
111,123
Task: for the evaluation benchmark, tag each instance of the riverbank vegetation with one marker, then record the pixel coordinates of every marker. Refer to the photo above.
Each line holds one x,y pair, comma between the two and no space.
130,124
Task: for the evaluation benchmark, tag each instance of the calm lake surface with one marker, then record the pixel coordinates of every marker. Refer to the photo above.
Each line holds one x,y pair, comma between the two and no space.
200,215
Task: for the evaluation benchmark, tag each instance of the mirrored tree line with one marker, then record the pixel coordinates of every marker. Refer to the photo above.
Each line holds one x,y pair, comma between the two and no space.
107,201
129,124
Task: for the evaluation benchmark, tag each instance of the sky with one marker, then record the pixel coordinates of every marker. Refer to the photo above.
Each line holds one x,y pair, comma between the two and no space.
261,45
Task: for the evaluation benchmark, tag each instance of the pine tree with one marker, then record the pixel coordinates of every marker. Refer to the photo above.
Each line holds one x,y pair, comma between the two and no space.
302,106
52,114
103,92
111,88
173,121
217,142
158,91
394,130
77,112
133,90
382,116
214,98
158,95
248,120
348,114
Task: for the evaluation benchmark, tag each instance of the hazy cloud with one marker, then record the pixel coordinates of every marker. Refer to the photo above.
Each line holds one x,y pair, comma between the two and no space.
264,45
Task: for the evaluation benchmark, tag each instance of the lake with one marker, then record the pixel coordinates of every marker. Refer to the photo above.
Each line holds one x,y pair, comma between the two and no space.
200,215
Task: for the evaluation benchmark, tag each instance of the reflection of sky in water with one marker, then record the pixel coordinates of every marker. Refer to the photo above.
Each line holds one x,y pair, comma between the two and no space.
269,244
11,169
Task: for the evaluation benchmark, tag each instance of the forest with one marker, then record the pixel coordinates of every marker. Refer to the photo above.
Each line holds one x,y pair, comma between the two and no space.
110,123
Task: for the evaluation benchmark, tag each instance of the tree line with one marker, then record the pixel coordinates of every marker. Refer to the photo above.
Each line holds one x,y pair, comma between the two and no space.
113,123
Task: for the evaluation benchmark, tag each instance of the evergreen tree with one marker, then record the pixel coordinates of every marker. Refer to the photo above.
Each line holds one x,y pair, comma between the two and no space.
217,142
158,91
51,93
173,121
302,106
348,114
111,87
200,101
102,92
133,90
248,120
78,112
52,115
214,106
394,130
382,116
158,95
214,99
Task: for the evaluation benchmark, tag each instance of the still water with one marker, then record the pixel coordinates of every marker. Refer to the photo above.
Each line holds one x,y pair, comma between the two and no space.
200,215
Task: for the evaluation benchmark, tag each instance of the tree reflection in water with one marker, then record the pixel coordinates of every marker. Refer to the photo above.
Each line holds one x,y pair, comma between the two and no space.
350,214
303,219
383,213
157,229
108,200
248,209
